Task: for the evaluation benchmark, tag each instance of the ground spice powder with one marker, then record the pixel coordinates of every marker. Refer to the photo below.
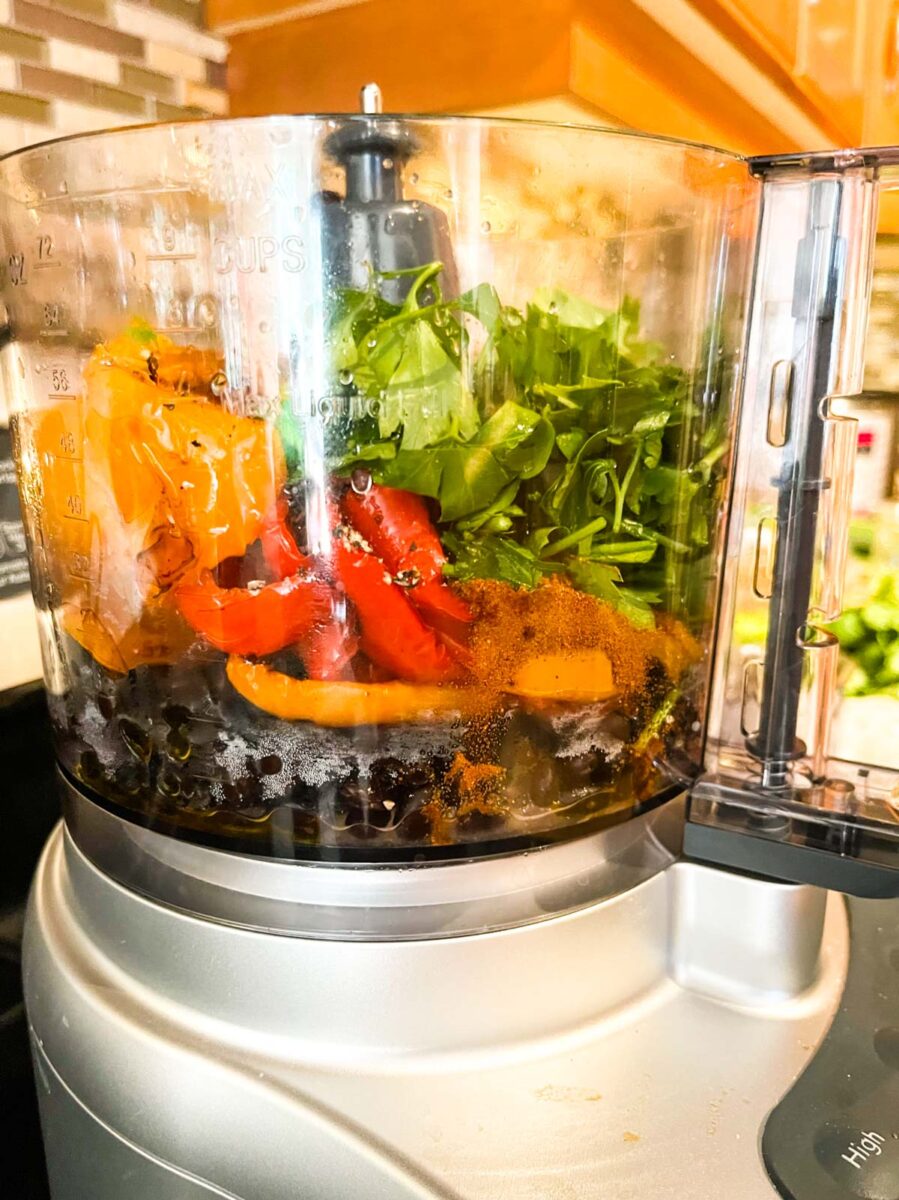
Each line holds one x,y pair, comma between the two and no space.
512,625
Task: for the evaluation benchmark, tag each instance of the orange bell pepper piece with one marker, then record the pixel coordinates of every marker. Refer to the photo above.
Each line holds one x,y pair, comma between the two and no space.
347,704
135,485
581,676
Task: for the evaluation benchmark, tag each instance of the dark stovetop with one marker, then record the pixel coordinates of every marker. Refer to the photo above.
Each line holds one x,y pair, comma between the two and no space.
29,806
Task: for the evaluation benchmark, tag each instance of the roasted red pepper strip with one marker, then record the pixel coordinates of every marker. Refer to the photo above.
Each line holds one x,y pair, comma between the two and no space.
278,543
398,528
328,651
257,620
393,634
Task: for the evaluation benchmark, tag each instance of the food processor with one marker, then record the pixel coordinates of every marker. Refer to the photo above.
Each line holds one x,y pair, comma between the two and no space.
405,498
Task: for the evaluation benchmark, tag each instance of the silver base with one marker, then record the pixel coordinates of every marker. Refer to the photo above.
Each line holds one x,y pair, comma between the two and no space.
630,1048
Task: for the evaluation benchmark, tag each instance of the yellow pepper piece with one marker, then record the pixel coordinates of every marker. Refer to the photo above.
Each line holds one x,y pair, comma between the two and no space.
341,704
582,677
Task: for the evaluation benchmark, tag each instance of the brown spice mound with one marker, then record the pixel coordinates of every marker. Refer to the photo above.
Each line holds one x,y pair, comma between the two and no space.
512,625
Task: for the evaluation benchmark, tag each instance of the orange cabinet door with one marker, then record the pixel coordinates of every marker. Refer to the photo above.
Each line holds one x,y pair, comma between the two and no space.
881,125
831,58
774,24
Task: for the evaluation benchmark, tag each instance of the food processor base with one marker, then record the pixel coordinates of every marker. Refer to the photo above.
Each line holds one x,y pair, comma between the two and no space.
177,1057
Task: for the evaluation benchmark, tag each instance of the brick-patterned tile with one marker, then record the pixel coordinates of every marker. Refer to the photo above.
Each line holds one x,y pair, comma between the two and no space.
52,23
9,73
217,75
94,10
197,95
22,45
177,112
140,20
69,66
71,117
98,65
153,83
59,85
188,11
175,62
27,108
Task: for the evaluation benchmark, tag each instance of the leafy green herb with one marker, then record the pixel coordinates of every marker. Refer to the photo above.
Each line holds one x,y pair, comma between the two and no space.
467,475
604,581
653,727
290,432
493,557
142,332
553,440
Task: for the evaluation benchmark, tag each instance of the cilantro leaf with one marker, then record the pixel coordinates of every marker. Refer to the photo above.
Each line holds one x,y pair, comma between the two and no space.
493,558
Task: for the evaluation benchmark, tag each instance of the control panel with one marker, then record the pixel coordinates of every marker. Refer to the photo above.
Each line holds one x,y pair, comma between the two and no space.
835,1135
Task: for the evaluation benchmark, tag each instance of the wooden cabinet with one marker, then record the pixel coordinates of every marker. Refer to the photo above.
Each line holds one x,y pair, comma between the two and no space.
753,75
831,48
773,23
881,119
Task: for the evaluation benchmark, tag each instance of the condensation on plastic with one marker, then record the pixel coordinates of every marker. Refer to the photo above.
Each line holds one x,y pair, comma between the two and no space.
211,233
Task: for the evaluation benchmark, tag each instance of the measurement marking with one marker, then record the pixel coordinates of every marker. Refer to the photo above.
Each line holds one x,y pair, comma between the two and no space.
62,395
171,257
69,517
68,457
46,266
54,333
181,329
64,199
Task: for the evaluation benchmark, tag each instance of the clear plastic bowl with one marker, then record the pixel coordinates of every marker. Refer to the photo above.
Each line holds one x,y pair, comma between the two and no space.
374,470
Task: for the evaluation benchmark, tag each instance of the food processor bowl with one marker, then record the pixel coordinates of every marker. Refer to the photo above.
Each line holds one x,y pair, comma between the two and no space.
375,471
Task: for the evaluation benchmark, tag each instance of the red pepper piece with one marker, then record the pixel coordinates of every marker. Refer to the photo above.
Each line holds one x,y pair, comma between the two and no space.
397,526
255,620
278,543
393,634
328,651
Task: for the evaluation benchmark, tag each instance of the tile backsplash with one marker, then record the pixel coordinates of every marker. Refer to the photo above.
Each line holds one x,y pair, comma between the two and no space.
69,66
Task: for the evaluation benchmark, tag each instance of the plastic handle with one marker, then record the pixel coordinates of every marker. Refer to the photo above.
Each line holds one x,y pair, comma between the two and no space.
835,509
771,801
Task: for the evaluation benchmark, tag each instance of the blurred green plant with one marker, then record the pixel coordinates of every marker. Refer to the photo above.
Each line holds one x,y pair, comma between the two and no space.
869,638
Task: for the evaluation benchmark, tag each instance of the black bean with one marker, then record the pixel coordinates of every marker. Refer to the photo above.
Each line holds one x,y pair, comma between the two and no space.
176,716
136,739
169,782
129,778
177,746
89,769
